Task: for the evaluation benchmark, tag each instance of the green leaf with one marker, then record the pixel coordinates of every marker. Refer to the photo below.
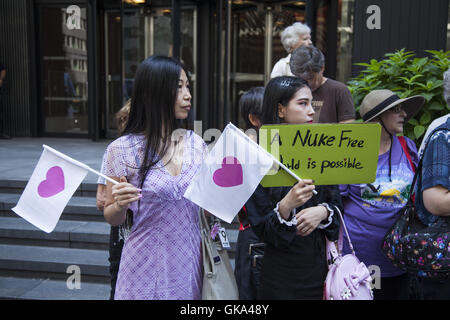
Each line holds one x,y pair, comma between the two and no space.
419,131
425,118
413,121
404,78
427,96
416,77
421,85
436,106
437,84
404,94
363,64
421,62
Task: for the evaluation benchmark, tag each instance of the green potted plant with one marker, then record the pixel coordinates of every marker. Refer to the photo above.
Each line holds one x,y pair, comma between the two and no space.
407,75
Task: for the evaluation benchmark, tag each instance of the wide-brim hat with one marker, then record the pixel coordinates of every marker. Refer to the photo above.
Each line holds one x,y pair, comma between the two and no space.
378,101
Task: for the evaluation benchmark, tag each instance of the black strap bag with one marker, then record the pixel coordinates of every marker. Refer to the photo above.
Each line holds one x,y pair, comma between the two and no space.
415,247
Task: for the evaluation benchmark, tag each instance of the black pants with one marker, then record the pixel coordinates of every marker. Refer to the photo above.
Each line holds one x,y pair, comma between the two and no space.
248,261
393,288
432,289
115,252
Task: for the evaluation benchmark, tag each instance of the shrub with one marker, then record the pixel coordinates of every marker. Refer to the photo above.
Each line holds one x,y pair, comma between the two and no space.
406,75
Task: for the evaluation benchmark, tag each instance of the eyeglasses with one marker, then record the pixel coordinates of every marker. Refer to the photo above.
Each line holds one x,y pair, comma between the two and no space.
397,109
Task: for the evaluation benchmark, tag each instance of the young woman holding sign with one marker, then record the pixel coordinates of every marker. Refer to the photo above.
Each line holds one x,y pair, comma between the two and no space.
370,210
290,220
161,258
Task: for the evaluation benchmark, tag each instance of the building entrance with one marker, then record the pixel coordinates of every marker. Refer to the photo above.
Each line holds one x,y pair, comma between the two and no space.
133,34
113,80
63,69
255,44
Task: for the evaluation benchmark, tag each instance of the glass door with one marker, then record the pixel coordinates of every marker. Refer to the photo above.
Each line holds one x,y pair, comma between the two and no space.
131,36
64,69
256,45
113,71
149,32
247,58
160,30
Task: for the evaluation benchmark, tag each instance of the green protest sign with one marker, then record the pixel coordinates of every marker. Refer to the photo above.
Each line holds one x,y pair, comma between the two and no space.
327,153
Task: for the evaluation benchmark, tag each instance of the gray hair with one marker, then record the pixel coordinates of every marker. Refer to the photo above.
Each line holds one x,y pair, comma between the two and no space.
290,36
306,60
446,85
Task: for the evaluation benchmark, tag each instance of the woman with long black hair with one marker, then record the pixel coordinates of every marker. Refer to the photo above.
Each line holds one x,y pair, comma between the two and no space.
292,221
154,162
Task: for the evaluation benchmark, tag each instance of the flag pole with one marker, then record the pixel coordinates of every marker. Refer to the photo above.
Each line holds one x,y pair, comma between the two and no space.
78,163
102,175
274,159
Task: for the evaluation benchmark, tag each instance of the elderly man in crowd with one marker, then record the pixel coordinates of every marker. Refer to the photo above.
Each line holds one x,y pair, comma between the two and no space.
332,101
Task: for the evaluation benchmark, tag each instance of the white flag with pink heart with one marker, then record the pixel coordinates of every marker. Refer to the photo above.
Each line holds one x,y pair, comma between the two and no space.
229,175
53,182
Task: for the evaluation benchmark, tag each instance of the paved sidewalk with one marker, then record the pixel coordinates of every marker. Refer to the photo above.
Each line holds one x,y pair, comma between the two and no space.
19,156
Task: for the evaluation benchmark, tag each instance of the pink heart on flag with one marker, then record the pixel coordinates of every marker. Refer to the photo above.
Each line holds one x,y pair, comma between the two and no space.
230,175
53,184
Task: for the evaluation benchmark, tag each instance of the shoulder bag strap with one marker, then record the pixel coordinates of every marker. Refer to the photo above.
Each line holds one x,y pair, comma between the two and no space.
419,166
408,155
341,235
406,150
331,248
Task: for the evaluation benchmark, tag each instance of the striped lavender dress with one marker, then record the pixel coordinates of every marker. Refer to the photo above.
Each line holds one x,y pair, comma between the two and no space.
161,258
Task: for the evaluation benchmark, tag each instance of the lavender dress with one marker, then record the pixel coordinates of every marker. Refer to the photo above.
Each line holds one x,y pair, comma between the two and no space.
161,258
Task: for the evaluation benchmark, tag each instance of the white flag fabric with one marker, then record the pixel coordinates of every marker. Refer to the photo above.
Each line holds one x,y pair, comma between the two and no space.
53,182
229,175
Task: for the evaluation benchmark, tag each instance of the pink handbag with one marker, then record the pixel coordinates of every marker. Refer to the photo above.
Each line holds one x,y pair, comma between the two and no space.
347,278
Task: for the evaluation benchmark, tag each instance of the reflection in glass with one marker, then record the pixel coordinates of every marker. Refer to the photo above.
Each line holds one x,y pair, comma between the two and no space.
345,40
147,33
247,69
64,71
134,48
248,39
113,68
